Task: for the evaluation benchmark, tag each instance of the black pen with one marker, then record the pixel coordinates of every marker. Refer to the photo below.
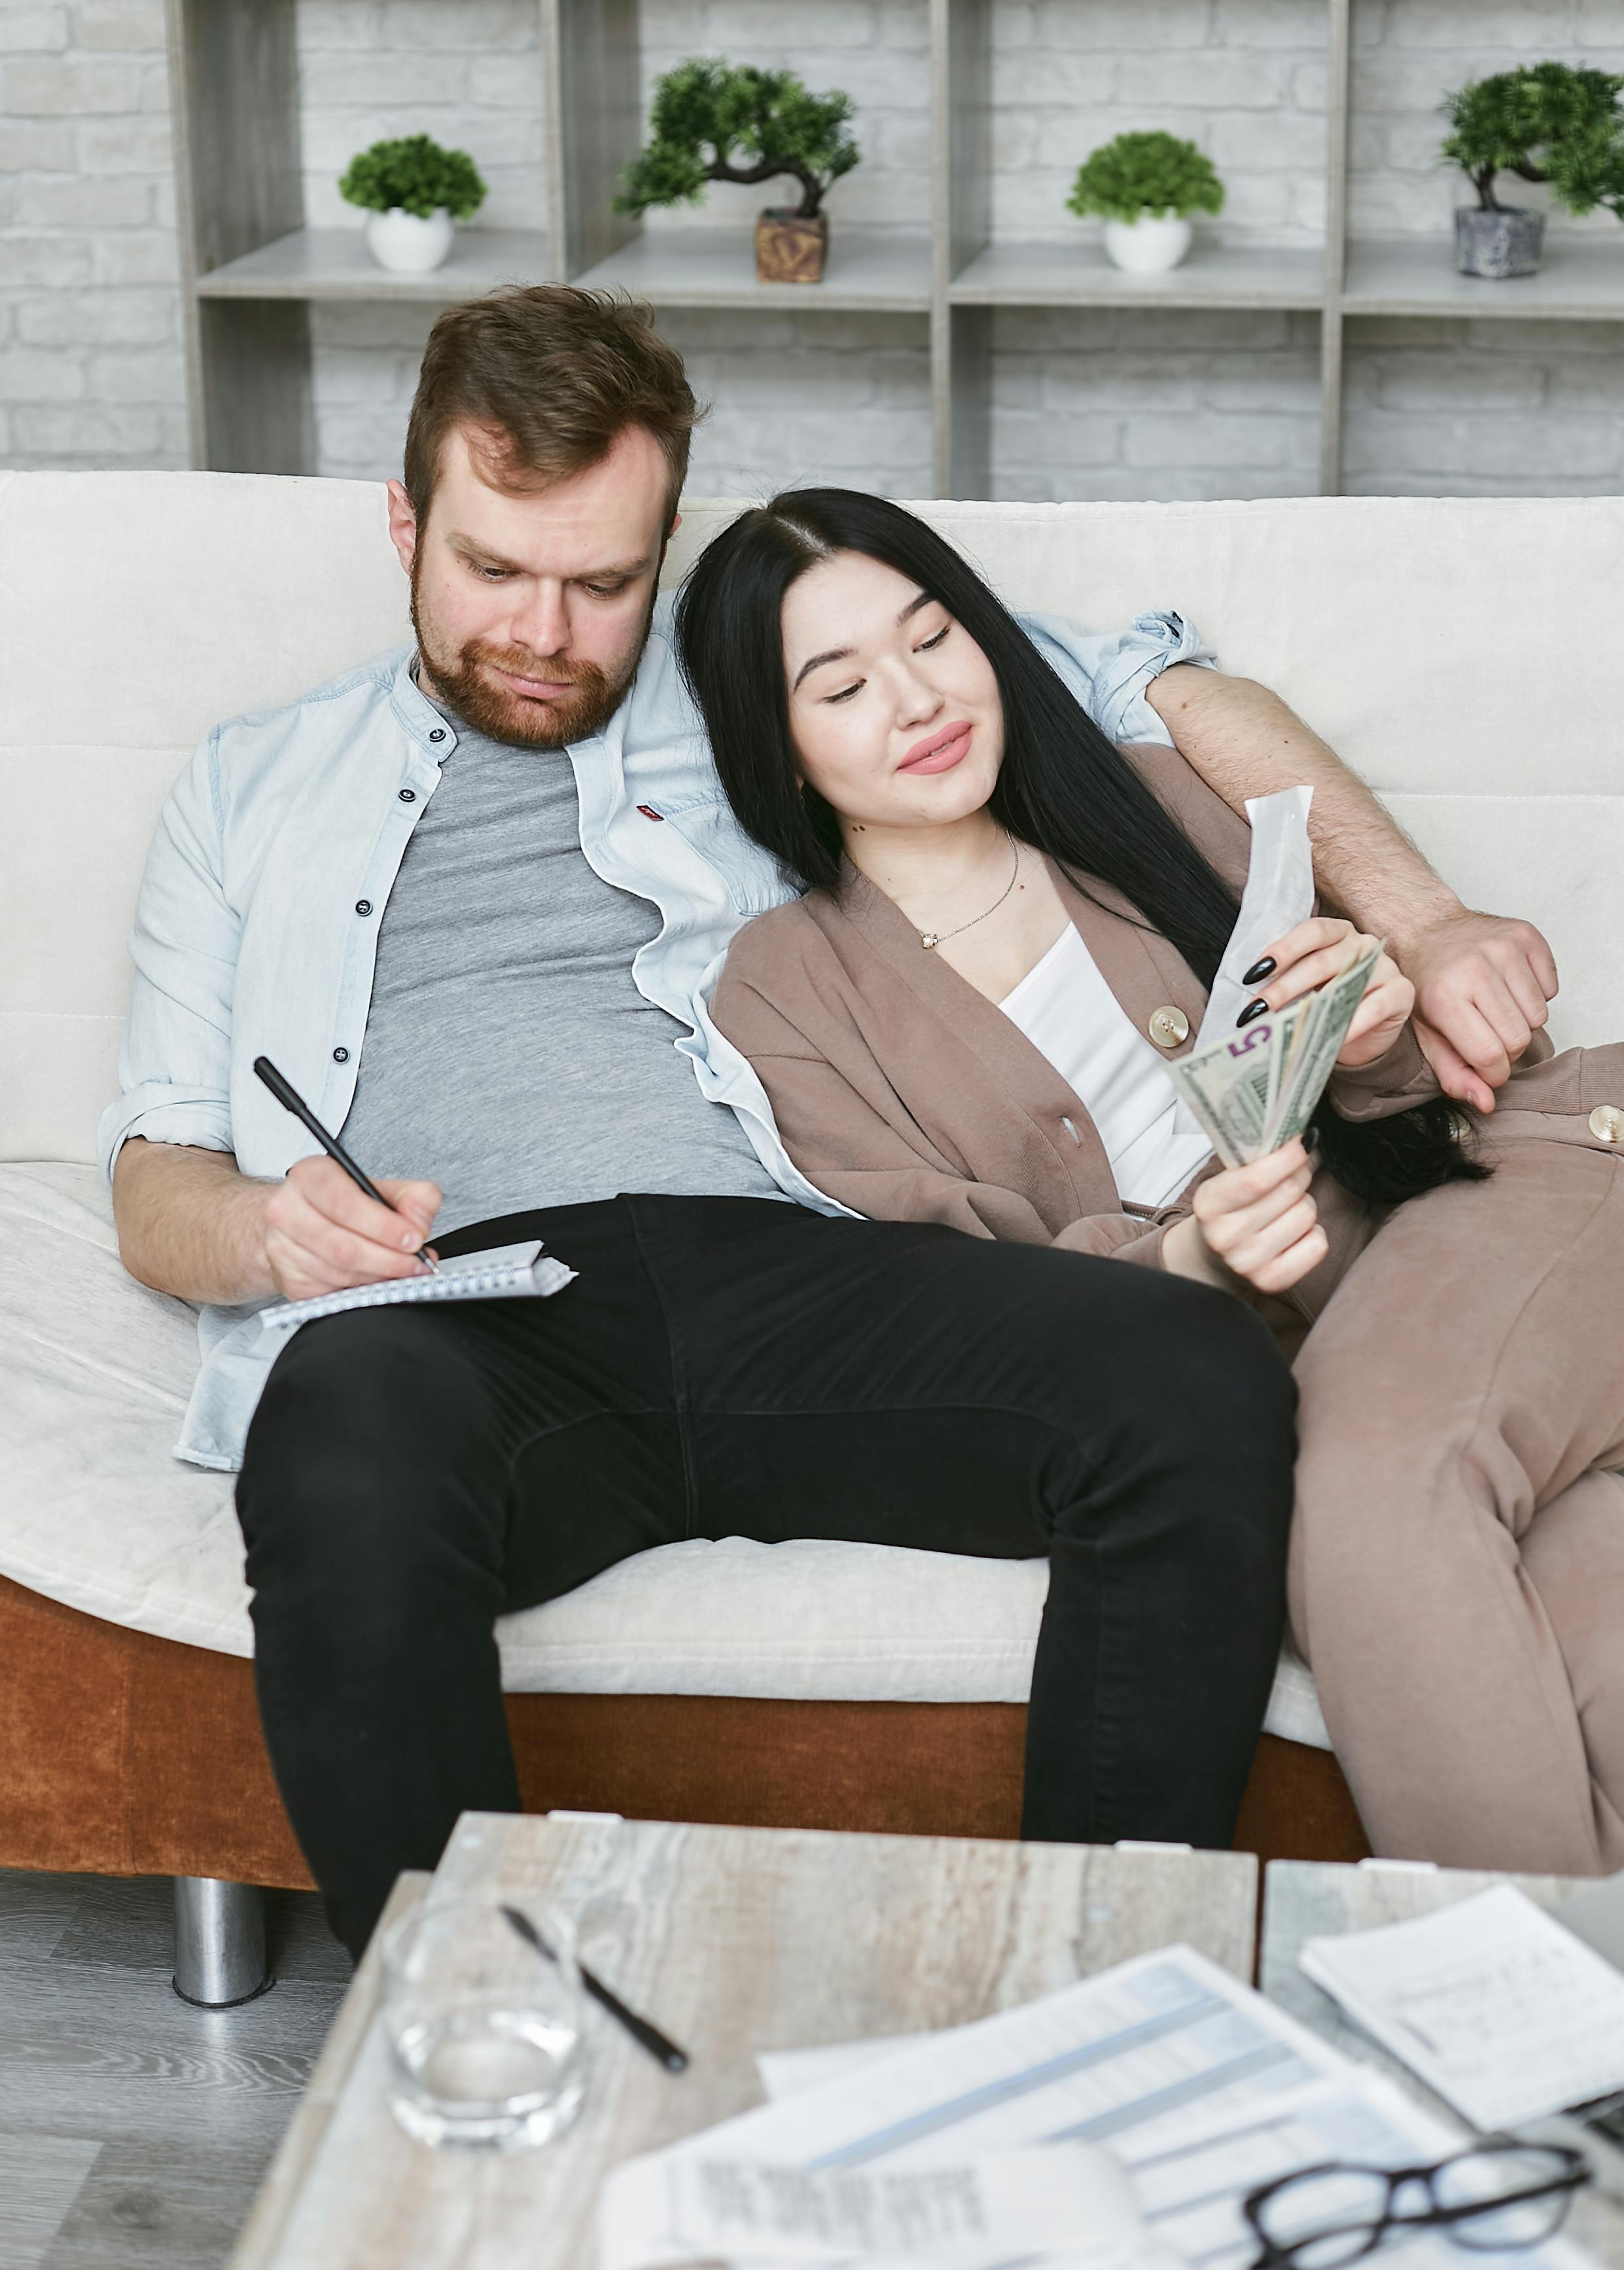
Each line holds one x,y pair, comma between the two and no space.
288,1096
660,2046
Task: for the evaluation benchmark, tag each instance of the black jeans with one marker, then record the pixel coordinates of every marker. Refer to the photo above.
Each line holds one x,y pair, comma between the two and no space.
736,1367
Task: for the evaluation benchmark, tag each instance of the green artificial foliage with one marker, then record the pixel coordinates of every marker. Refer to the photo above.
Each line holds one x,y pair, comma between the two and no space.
1543,122
418,175
717,121
1139,174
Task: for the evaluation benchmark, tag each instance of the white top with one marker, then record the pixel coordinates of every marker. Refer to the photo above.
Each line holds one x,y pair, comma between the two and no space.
1068,1012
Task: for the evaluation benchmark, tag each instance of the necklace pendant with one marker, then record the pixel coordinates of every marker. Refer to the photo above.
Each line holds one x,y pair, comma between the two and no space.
928,940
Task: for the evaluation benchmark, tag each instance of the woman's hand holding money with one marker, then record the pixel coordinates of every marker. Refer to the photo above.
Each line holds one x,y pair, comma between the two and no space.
1257,1222
1314,953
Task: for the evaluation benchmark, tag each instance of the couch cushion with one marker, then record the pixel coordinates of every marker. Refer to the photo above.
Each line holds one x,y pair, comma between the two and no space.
1457,651
95,1373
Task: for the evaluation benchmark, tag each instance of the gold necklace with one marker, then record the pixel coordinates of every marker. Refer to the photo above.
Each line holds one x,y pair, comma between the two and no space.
929,939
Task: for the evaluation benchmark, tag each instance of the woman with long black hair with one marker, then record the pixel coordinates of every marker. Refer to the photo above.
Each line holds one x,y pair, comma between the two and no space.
1010,926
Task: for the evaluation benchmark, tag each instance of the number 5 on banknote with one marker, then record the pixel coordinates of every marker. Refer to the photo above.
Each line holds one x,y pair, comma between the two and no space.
1256,1089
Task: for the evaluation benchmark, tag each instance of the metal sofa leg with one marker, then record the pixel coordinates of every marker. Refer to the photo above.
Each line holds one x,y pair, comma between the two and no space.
220,1942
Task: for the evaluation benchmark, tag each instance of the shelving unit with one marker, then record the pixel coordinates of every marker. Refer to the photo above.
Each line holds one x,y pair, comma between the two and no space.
251,270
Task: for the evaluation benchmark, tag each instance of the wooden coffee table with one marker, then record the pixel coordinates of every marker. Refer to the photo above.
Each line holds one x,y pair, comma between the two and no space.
736,1940
1307,1899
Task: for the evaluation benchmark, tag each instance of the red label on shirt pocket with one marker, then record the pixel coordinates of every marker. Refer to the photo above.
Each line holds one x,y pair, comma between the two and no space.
649,811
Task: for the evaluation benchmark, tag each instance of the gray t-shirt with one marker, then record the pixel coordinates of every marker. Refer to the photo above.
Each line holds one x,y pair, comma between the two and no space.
508,1055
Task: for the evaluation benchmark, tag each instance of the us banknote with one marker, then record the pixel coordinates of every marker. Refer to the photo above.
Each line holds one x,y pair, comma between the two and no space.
1259,1087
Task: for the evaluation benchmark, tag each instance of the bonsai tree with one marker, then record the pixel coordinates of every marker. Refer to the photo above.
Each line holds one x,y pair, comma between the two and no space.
716,122
418,175
1543,122
1140,173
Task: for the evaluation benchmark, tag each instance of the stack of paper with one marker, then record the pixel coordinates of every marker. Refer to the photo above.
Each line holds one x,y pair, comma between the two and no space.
1490,2002
1197,2089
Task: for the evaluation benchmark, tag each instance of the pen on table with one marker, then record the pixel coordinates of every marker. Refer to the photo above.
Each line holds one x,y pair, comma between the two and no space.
288,1096
660,2046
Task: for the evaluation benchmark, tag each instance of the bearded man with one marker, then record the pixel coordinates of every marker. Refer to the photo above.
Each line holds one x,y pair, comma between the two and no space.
469,899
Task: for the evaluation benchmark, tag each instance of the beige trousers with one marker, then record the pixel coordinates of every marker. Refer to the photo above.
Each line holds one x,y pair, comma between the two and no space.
1457,1562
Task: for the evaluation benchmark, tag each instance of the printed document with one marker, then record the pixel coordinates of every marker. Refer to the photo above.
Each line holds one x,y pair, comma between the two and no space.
1490,2002
1065,2200
1200,2087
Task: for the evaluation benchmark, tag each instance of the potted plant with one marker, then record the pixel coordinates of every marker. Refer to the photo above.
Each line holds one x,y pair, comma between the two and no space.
717,121
412,192
1145,187
1543,122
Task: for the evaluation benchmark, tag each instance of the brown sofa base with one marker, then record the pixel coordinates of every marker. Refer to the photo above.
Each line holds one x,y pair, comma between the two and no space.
122,1754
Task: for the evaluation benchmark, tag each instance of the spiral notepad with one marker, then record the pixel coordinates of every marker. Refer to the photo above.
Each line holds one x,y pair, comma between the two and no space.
505,1273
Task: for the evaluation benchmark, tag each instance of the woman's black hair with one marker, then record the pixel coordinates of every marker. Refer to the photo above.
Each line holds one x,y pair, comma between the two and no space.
1063,788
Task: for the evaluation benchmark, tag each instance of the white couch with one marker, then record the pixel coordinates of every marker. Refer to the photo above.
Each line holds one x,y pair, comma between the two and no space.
1462,655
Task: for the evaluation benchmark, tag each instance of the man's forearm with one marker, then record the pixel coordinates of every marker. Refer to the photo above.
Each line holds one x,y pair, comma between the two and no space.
190,1224
1244,741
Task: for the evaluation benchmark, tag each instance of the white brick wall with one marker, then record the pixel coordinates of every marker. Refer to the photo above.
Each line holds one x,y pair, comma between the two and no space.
1244,80
90,368
1486,408
1117,405
860,396
1409,53
467,72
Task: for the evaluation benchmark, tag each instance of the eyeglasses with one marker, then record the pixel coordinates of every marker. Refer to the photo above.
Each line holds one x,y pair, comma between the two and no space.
1498,2193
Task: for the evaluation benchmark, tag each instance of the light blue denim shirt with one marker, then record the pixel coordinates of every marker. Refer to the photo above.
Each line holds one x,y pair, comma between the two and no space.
249,938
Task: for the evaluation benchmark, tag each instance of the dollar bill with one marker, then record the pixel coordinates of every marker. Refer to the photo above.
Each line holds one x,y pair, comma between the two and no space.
1259,1087
1334,1006
1227,1087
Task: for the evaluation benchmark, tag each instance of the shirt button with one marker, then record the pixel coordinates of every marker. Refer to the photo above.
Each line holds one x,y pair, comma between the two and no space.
438,734
1169,1027
341,1056
363,906
1608,1123
407,795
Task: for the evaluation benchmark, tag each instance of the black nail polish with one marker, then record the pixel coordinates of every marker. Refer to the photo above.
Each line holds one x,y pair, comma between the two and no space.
1259,971
1252,1009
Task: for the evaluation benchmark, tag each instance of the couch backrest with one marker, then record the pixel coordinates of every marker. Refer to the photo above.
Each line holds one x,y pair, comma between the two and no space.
1462,654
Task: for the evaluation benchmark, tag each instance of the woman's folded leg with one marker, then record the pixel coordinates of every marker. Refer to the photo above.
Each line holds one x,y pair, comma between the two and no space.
1462,1384
1573,1557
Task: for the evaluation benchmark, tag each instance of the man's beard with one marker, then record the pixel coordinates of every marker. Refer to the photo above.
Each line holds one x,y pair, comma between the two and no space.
460,681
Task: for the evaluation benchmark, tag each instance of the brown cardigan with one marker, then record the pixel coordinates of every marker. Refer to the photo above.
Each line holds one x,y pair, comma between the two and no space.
902,1092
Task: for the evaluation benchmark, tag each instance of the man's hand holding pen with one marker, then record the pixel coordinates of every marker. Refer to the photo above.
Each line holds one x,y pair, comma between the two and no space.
321,1233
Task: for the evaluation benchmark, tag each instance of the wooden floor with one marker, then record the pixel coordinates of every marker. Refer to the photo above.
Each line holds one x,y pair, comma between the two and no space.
134,2130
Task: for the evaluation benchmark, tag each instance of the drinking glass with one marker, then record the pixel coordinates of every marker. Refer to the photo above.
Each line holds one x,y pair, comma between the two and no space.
484,2035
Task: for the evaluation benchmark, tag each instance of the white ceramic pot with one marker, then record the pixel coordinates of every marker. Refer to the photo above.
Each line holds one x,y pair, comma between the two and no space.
1145,245
411,246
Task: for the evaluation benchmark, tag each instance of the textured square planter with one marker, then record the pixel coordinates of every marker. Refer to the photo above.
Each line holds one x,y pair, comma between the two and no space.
1498,245
789,248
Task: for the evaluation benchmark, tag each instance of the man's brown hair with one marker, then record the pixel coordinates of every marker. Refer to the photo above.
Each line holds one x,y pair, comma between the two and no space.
545,377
